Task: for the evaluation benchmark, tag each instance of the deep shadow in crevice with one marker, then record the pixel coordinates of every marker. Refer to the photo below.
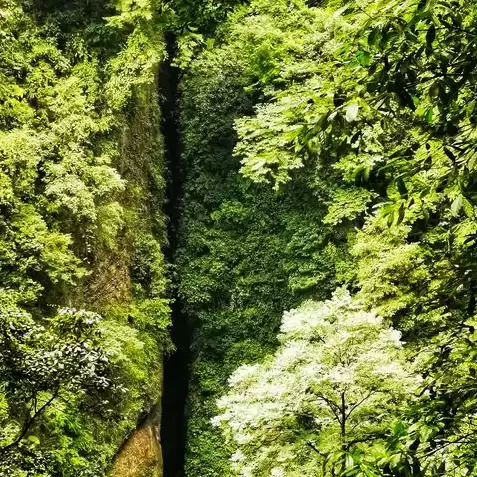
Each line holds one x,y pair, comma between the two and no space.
176,366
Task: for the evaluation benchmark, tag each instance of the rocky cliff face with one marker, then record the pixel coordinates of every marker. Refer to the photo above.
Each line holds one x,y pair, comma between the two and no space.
141,454
142,165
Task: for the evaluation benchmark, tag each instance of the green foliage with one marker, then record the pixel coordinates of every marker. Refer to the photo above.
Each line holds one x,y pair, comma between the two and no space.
366,108
322,403
353,126
246,253
80,228
49,371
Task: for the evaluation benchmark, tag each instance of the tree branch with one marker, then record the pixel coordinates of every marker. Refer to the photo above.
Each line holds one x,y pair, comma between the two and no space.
355,406
29,422
335,409
312,446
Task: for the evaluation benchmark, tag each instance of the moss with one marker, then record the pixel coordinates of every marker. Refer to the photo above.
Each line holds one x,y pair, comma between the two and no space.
135,291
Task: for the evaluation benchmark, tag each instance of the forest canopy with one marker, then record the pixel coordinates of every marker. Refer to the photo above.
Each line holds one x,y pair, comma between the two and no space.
360,116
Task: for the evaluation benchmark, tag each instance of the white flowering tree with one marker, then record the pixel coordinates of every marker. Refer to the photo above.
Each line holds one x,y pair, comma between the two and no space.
329,393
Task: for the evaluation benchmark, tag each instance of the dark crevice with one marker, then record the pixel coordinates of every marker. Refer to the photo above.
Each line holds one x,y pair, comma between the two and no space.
176,366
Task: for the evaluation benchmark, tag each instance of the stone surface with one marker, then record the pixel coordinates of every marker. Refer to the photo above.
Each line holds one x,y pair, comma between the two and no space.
141,454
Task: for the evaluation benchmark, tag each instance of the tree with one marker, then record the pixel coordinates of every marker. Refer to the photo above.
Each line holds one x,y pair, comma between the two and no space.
389,102
326,396
43,366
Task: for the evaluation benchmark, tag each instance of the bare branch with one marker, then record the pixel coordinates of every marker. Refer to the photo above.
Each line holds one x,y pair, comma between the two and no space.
355,406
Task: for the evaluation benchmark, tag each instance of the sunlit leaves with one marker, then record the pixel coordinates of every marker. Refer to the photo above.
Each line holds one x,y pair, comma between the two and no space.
333,385
69,83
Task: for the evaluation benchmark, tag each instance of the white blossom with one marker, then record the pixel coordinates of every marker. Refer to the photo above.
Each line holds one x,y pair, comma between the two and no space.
331,352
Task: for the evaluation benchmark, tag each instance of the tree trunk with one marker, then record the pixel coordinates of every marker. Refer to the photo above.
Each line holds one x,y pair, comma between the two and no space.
343,431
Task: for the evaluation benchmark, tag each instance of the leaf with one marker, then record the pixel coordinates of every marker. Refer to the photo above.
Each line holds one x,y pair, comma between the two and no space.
390,218
401,214
468,207
341,11
425,432
351,112
470,107
429,115
401,187
457,205
364,58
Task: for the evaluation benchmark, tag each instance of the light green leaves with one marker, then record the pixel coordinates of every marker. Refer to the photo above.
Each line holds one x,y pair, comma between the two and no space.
347,203
336,364
268,149
462,203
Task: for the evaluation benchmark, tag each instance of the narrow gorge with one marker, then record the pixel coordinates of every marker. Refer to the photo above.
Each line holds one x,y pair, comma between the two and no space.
238,238
176,365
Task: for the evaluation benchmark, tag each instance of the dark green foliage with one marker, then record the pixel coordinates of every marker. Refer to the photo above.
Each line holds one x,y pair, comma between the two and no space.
365,118
204,16
247,253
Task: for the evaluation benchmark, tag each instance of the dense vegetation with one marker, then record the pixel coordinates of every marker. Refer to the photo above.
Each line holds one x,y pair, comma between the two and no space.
81,229
247,253
326,258
353,127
